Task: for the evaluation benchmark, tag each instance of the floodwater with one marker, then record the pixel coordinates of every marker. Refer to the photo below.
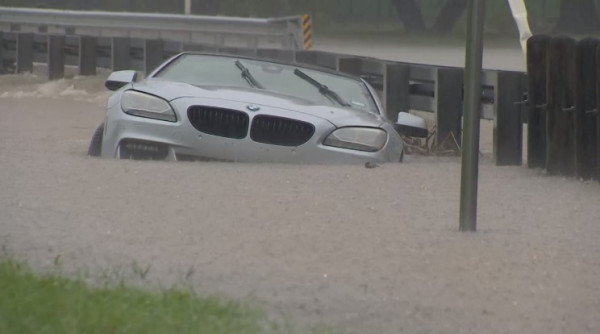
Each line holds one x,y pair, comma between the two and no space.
354,249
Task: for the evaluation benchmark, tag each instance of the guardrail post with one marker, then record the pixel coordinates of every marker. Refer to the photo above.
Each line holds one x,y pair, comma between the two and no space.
153,54
352,66
560,138
219,41
396,89
508,125
293,33
318,58
586,109
597,175
253,44
306,57
277,54
448,105
87,55
537,50
237,51
199,47
24,52
120,53
56,57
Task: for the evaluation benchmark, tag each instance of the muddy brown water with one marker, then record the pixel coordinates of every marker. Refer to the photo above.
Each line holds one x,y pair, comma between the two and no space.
360,250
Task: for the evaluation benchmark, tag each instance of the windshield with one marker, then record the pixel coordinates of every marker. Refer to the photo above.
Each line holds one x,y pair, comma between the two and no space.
202,70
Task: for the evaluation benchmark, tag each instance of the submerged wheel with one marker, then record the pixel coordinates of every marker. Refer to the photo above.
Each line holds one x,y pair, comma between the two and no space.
95,149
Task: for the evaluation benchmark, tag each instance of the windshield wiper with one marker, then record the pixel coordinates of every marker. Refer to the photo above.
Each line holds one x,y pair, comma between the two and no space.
324,90
248,76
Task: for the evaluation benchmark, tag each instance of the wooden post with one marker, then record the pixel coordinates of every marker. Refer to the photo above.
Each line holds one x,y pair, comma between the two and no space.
120,53
56,57
586,132
560,138
396,89
87,55
253,44
537,50
448,105
508,125
153,54
24,52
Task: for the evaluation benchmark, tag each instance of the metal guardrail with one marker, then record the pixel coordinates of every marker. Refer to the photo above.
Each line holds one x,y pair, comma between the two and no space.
284,32
402,86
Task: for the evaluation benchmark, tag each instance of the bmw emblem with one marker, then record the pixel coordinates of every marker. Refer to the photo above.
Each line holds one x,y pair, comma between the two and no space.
253,107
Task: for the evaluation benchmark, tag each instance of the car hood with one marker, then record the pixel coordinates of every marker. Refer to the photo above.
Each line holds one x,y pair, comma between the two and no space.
338,116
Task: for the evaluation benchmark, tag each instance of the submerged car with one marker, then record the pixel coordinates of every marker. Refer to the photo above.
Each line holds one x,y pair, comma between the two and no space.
229,108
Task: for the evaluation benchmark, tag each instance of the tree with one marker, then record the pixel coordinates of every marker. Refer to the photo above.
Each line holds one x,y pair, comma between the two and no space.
206,7
449,15
410,14
578,16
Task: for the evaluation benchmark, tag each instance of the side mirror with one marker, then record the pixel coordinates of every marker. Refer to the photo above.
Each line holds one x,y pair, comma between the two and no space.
411,125
119,79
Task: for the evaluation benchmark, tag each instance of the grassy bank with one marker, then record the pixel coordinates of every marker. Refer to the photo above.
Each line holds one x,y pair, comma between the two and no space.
30,303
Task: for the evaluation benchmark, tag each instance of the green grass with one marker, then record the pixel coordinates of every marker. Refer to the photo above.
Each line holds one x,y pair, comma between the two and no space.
46,304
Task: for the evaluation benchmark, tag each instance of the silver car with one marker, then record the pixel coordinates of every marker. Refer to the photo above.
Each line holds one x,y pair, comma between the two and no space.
230,108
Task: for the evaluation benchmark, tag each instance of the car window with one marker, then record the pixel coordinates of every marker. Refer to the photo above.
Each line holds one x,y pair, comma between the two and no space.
222,71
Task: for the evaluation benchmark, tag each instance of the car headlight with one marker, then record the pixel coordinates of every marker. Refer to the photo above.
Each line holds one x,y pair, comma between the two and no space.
360,139
146,105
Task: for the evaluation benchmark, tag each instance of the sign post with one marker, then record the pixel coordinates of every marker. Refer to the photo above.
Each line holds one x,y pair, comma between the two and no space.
471,116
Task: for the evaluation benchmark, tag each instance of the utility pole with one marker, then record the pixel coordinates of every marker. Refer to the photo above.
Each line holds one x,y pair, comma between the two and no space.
187,7
471,116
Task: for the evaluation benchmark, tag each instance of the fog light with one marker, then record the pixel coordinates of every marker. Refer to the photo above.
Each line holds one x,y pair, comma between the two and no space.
142,150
